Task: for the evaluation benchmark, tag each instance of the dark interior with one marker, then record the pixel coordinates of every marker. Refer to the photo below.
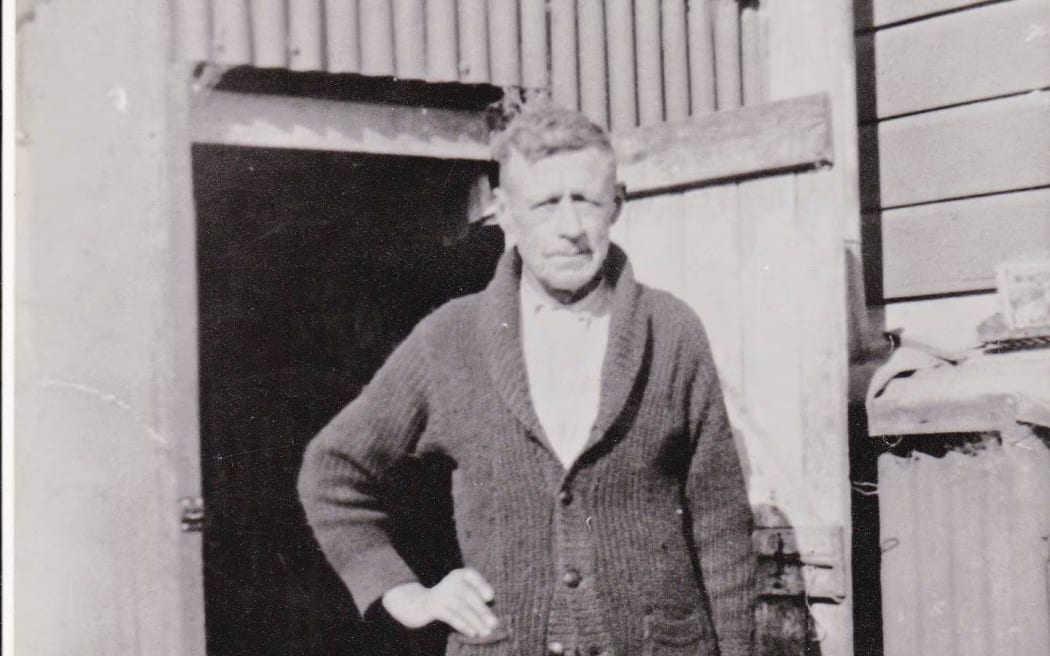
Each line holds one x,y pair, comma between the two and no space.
312,267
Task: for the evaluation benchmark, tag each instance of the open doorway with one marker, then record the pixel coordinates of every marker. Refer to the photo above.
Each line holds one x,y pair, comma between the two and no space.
312,267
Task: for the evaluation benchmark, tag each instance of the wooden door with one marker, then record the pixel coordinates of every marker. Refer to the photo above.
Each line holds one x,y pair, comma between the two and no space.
718,213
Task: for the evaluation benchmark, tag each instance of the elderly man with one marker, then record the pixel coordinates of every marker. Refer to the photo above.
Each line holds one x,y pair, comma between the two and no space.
598,497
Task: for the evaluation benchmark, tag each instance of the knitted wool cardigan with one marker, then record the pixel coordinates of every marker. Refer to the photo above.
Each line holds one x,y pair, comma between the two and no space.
642,546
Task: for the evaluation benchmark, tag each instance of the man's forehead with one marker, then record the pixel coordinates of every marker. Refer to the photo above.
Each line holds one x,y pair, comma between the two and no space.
591,162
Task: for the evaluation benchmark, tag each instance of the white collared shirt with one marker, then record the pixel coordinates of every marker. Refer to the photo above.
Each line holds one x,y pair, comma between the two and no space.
564,347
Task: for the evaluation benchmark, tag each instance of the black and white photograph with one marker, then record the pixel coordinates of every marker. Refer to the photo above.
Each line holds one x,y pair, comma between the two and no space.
526,328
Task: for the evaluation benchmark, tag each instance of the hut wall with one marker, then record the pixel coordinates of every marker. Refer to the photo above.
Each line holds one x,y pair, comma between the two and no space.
955,154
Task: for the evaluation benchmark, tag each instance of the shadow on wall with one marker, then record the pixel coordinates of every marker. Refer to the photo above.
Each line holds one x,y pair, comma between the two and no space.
784,624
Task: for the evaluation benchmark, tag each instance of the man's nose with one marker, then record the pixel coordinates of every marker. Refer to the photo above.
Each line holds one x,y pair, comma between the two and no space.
569,223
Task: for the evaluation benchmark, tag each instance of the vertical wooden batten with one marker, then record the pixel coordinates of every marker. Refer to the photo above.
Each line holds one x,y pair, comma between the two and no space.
192,23
753,54
701,58
377,38
341,31
409,34
305,35
441,41
726,21
647,55
231,34
534,73
473,42
619,38
269,33
564,74
504,52
594,101
675,59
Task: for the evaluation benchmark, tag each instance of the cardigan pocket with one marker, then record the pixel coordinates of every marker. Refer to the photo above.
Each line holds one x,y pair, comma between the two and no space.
666,634
498,642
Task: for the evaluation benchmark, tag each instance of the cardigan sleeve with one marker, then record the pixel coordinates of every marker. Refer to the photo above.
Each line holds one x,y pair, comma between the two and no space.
722,518
351,461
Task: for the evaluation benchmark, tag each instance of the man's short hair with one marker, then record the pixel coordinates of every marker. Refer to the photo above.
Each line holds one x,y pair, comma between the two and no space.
542,129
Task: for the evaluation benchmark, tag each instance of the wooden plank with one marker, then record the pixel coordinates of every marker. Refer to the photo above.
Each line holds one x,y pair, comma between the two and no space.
877,13
192,25
777,136
984,52
341,30
594,101
753,54
473,41
377,38
305,35
983,148
701,58
564,75
309,124
954,246
231,33
504,53
442,60
534,71
409,46
619,38
647,59
675,58
727,53
269,33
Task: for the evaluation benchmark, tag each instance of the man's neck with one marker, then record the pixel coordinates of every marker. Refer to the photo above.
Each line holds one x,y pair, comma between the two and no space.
561,297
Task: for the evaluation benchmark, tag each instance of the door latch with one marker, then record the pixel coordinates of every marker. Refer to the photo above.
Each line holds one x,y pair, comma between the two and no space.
192,514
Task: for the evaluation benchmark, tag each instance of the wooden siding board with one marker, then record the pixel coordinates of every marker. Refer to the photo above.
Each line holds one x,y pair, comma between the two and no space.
564,74
473,41
534,44
231,32
191,21
309,124
619,38
377,38
409,41
727,53
594,100
876,13
954,246
701,58
774,136
504,52
442,41
647,59
987,147
674,35
306,51
984,52
341,30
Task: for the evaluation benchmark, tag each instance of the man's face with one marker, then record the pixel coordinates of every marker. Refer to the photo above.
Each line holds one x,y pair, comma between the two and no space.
558,211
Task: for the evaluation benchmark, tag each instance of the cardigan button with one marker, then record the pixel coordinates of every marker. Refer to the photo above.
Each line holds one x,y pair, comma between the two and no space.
565,497
555,648
571,577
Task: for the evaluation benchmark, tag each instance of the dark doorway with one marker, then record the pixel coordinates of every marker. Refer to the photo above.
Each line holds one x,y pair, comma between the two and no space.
312,268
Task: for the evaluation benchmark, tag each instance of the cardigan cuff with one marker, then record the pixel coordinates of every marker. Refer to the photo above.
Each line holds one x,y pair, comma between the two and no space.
373,573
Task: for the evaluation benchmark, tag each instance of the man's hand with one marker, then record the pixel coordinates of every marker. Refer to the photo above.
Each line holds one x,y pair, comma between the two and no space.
459,600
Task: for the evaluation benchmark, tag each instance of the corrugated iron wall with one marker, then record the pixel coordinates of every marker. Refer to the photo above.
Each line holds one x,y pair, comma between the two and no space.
966,551
623,63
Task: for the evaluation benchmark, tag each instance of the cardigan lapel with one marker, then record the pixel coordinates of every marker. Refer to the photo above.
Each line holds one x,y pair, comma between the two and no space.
628,335
500,336
499,329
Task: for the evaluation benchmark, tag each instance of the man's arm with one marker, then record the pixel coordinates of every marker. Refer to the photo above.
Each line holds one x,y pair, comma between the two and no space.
722,519
345,470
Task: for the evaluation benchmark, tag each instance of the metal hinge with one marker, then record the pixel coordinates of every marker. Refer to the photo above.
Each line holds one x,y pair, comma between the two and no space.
192,514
